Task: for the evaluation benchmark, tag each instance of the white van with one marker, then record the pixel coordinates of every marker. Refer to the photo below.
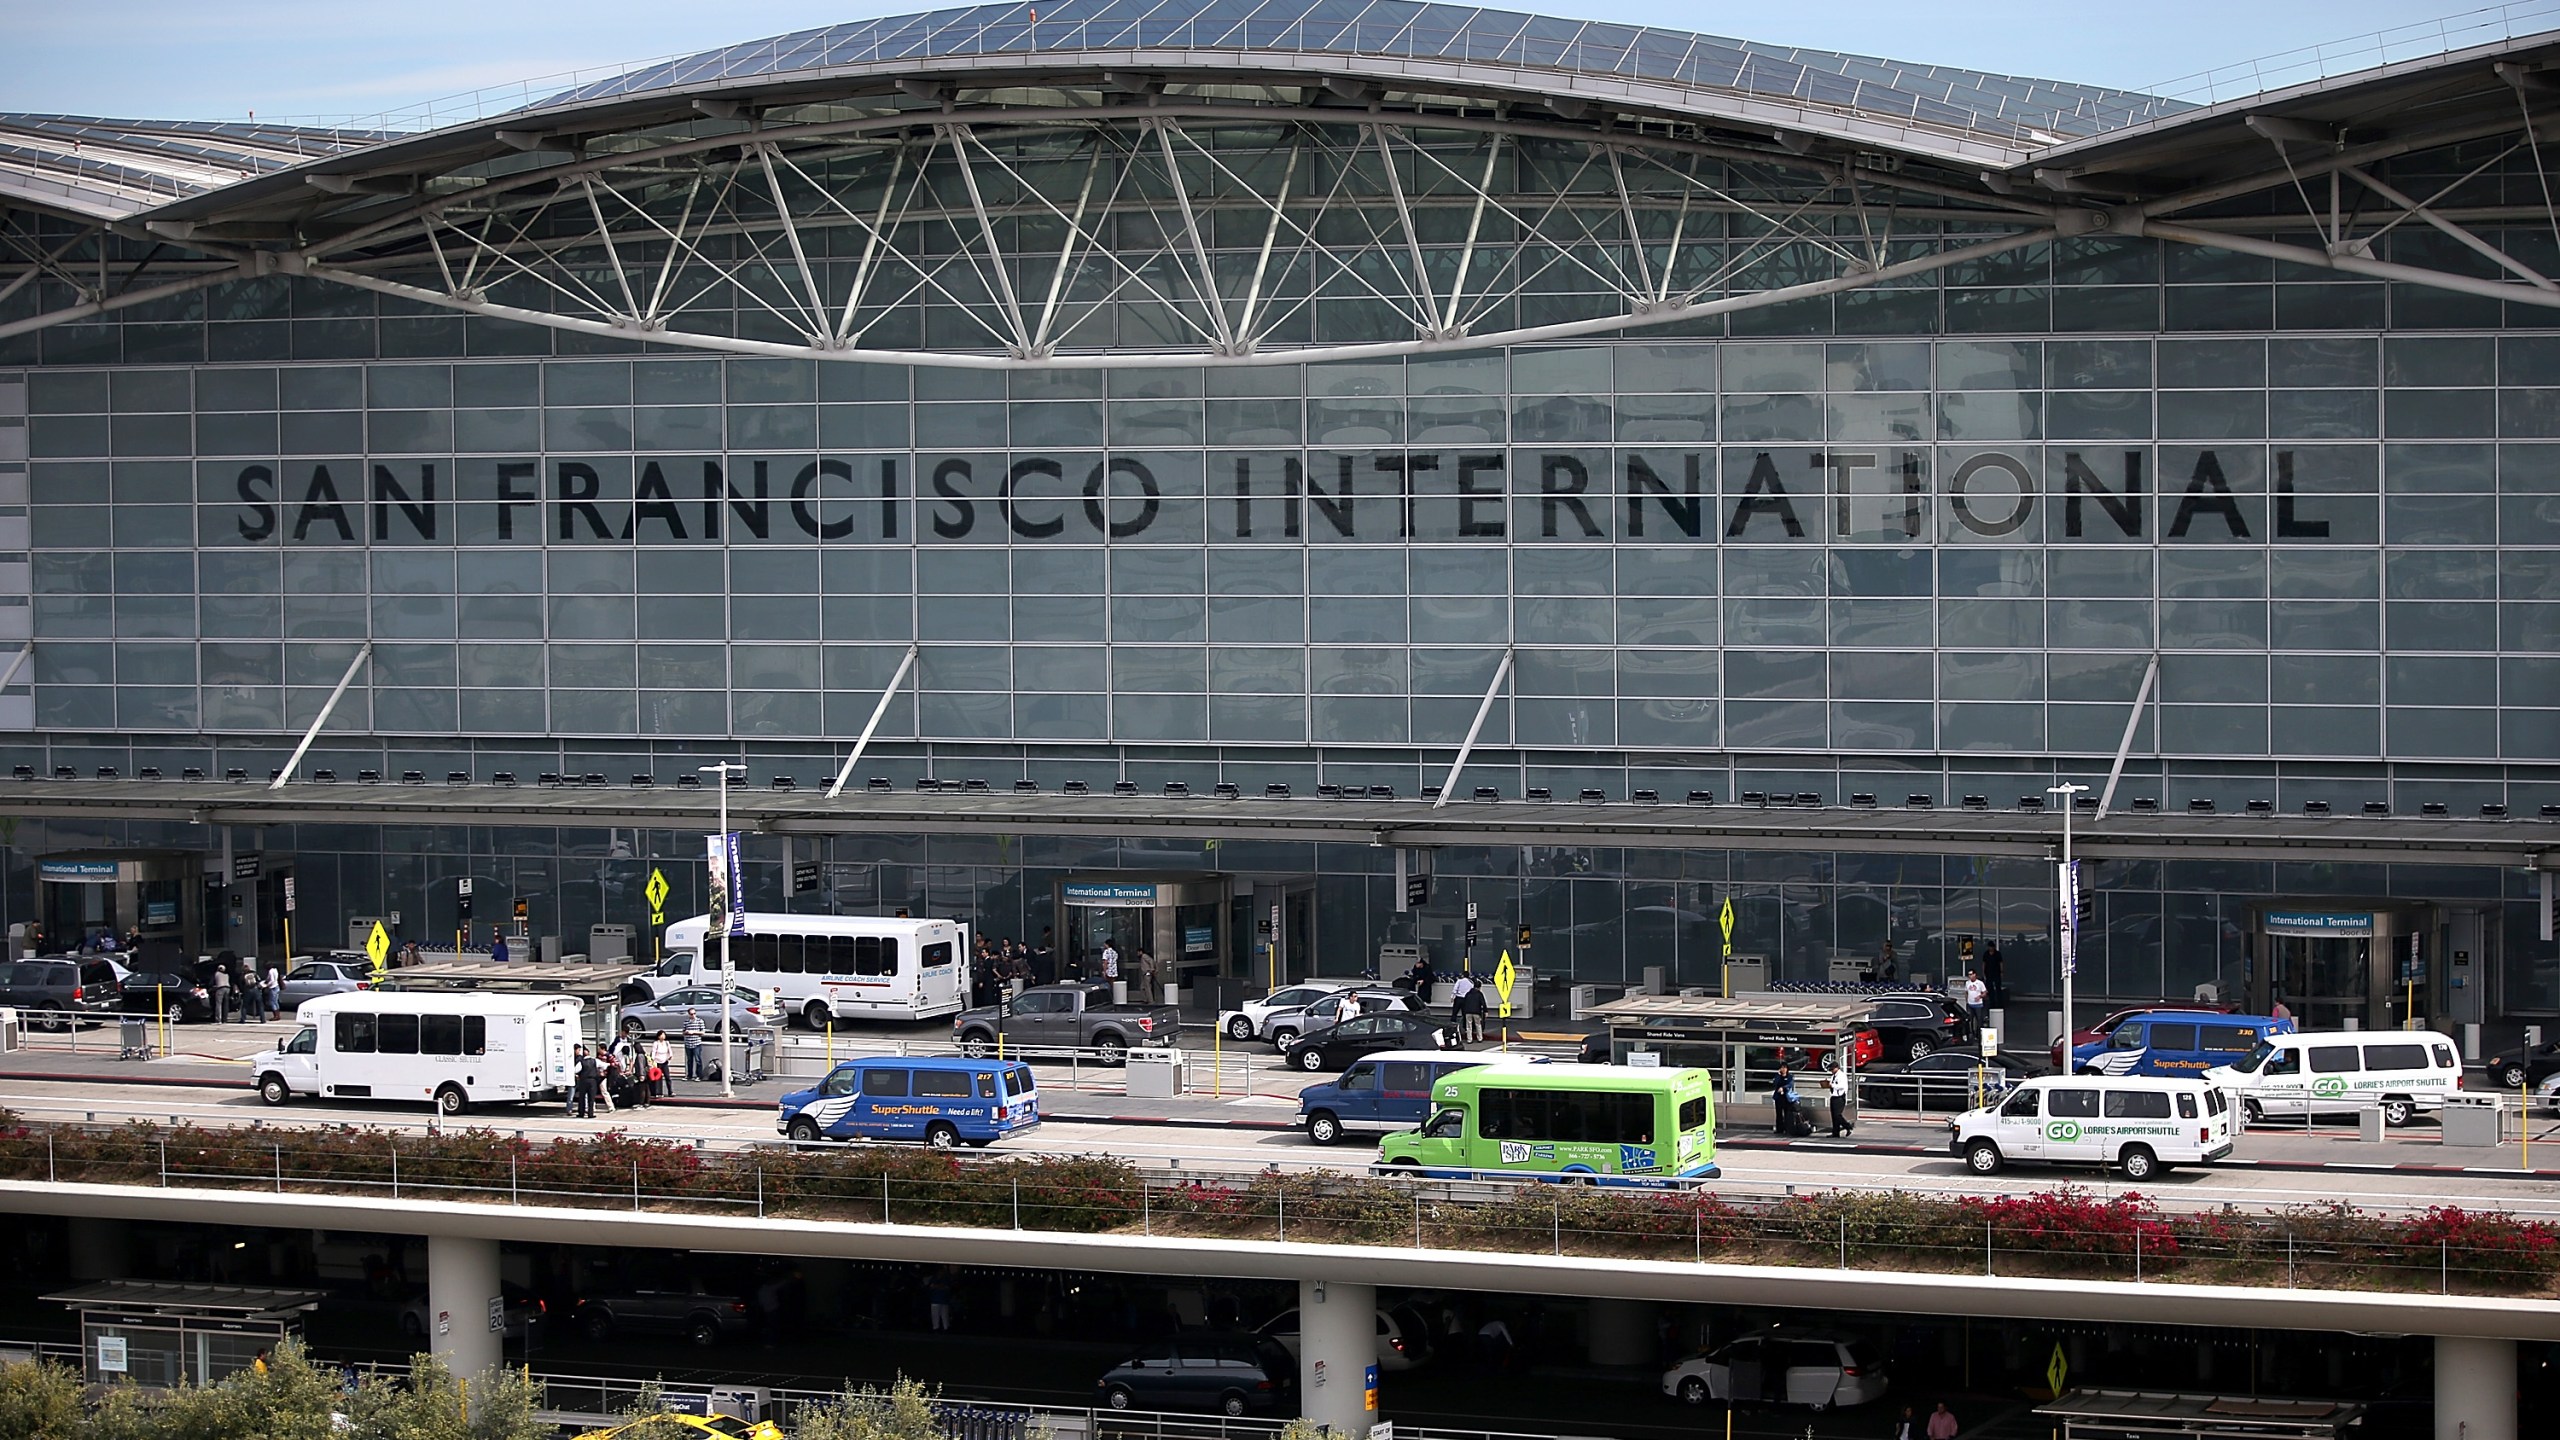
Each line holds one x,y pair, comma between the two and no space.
453,1050
832,967
2142,1125
2401,1071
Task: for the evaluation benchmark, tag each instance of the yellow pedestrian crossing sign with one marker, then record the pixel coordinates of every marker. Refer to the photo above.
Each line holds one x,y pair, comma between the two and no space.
656,890
1724,919
377,948
1503,975
2057,1372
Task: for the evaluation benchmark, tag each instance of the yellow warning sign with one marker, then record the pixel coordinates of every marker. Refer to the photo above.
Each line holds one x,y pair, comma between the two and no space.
1724,919
1503,974
656,889
377,947
2057,1372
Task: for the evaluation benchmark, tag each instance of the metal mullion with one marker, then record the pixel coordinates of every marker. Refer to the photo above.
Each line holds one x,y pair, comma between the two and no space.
1627,215
871,243
953,135
1129,274
1206,279
1422,297
1475,228
1536,230
1067,249
613,257
799,253
676,249
1270,235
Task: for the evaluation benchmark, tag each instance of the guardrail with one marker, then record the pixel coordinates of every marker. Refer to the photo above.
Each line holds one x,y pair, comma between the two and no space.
2064,1233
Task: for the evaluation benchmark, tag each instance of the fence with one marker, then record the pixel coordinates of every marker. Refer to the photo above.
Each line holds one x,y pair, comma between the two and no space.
2063,1233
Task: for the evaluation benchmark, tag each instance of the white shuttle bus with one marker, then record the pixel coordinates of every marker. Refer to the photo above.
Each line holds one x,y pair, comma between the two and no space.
832,967
452,1050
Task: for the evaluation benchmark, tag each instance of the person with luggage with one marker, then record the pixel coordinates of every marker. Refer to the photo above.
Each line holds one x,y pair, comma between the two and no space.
582,1092
662,1058
1782,1103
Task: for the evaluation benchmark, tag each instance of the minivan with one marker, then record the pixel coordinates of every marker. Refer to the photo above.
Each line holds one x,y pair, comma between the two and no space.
2142,1125
1816,1368
1224,1374
2175,1042
2401,1071
943,1102
59,993
1390,1090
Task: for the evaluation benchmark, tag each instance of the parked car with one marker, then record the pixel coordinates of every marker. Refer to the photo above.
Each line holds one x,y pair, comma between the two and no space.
60,990
2113,1018
746,1011
1063,1016
1918,1023
666,1303
312,979
1404,1335
1780,1366
523,1308
1947,1080
156,992
1284,1026
2515,1068
1246,1021
1223,1374
1335,1046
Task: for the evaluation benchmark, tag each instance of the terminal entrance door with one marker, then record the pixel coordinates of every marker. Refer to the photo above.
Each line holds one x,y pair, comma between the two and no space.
2321,979
2336,969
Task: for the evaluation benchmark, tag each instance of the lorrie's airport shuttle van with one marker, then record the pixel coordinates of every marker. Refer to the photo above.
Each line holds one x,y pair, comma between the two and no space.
2142,1125
451,1050
2401,1071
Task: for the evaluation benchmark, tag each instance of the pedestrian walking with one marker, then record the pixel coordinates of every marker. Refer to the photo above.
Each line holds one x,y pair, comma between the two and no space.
274,988
1840,1094
222,984
1977,998
582,1095
1110,962
1906,1428
692,1043
498,950
1146,967
1462,997
1494,1345
661,1056
1995,975
1942,1423
1782,1102
937,1299
1885,965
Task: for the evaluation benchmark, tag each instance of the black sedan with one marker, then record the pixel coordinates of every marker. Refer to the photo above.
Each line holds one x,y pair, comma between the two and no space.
147,992
1336,1046
1947,1080
2515,1068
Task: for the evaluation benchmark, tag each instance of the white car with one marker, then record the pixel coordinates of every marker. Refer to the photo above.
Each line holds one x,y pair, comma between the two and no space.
2550,1093
1404,1336
1283,1026
1246,1022
1816,1368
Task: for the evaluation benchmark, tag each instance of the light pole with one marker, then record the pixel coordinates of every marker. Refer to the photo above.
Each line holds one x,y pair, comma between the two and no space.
720,923
2068,931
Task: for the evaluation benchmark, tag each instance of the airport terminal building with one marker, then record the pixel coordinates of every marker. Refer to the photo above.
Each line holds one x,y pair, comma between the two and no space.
1261,474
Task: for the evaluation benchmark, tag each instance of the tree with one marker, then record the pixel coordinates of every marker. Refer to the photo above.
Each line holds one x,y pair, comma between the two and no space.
902,1412
39,1399
294,1400
432,1403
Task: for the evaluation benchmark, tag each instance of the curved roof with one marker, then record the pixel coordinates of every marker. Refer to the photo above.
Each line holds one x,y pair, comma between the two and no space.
113,168
2003,106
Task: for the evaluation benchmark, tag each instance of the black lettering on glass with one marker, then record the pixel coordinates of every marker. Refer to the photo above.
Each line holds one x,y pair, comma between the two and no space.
1405,468
1096,506
964,511
1472,500
575,484
2208,493
1763,493
1562,478
808,483
1336,508
1960,500
1840,463
2290,526
888,497
511,498
1244,498
653,501
1914,496
1009,504
388,495
320,502
258,512
2122,506
1643,482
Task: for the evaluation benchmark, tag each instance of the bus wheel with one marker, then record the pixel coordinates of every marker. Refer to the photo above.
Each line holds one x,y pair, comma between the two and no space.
451,1101
1982,1158
804,1130
815,1014
2396,1113
2138,1163
940,1136
271,1088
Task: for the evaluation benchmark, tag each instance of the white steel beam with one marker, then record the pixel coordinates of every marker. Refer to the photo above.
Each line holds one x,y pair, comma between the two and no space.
905,663
364,652
2124,747
1475,727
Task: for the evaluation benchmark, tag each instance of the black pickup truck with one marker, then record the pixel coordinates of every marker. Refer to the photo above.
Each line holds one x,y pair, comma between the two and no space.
1063,1016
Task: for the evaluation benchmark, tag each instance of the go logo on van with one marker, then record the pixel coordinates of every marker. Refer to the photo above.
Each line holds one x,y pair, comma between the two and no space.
2329,1086
2062,1132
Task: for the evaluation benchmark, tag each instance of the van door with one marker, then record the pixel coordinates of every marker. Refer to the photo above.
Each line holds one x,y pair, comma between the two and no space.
2280,1080
559,1044
2017,1127
1404,1091
2334,1072
2171,1048
2070,1111
1356,1094
883,1109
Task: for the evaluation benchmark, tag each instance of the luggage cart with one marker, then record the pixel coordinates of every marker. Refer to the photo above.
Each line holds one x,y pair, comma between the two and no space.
135,1038
759,1057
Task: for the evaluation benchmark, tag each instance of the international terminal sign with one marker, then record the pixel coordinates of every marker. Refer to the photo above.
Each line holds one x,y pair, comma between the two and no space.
1777,494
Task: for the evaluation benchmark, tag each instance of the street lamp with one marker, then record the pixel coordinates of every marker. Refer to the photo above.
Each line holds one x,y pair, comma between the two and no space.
720,923
2068,931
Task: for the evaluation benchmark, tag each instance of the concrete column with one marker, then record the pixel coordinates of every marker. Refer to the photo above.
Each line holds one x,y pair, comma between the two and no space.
1337,1350
1620,1332
98,1249
462,1280
2475,1389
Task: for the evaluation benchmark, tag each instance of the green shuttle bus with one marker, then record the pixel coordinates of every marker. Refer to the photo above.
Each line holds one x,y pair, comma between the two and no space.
1611,1125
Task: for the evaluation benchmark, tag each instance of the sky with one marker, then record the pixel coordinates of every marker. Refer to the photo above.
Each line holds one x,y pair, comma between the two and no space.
335,60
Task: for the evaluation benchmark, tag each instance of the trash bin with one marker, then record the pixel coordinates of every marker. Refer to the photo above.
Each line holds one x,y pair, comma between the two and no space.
2472,1120
1155,1073
135,1038
2369,1124
12,1036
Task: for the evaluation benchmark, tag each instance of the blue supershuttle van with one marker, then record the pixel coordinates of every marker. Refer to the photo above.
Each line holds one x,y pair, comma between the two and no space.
942,1102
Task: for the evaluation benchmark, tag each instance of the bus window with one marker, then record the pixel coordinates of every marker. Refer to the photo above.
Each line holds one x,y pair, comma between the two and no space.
355,1033
1447,1125
942,1084
1693,1113
398,1034
875,955
1019,1081
788,951
930,957
439,1034
475,1034
884,1082
305,1041
987,1086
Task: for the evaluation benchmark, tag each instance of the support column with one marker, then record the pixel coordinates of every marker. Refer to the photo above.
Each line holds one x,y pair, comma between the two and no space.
2475,1389
462,1280
1620,1332
98,1249
1338,1355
